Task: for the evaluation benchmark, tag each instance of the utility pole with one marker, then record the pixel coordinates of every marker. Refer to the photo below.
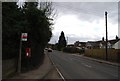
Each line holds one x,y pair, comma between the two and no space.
106,35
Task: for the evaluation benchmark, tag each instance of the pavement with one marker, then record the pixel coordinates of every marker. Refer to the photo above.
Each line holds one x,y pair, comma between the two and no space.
45,71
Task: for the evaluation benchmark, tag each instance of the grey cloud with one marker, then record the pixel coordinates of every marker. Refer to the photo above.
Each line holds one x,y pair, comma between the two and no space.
86,11
89,11
72,39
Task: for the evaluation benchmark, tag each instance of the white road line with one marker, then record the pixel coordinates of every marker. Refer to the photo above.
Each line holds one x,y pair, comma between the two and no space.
86,65
57,70
60,74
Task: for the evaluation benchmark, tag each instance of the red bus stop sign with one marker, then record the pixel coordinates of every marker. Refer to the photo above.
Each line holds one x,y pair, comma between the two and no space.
24,37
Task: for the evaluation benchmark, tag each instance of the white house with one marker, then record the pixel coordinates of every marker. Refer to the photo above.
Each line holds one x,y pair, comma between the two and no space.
116,45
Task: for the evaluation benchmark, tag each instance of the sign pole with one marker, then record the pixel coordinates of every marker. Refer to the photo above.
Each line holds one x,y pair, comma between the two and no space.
19,58
22,38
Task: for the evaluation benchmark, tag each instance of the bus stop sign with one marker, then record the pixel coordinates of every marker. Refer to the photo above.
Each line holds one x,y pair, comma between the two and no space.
24,37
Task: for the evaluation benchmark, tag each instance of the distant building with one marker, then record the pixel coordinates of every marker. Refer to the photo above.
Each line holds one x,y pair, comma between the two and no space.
80,44
92,44
114,43
70,45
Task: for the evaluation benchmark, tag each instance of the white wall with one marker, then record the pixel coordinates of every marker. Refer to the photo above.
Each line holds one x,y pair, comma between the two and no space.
116,45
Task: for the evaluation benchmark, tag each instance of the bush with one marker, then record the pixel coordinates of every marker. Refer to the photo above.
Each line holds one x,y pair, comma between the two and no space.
73,50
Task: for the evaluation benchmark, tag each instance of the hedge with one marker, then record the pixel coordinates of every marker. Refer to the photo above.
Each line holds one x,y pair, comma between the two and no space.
73,50
113,54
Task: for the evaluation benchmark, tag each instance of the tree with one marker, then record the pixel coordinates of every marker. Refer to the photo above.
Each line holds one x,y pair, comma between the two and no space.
11,27
38,28
61,42
35,21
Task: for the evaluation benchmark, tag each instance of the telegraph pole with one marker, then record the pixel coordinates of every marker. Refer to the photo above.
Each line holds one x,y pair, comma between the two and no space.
106,35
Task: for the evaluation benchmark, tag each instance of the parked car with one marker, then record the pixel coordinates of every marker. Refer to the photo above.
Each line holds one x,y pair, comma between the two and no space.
46,48
50,50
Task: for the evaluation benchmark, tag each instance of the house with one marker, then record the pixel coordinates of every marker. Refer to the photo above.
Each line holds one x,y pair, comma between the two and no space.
111,44
70,45
114,43
92,44
80,44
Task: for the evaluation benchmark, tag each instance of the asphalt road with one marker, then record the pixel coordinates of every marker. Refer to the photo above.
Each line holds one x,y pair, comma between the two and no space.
0,69
77,67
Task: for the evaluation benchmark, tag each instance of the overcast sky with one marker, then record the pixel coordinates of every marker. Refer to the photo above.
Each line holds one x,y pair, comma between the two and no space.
84,21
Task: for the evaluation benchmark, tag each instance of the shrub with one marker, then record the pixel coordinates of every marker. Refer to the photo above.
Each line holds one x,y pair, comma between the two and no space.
73,50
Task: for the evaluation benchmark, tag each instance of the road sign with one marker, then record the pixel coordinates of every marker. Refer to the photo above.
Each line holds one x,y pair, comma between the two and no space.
24,37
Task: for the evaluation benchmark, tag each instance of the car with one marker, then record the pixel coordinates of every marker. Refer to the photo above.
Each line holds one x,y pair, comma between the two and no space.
46,48
50,50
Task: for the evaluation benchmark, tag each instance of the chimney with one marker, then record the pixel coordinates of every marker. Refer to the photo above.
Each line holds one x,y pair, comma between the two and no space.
117,37
103,39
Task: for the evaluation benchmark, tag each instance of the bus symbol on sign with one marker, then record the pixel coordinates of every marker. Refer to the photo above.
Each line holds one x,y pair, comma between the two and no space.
24,37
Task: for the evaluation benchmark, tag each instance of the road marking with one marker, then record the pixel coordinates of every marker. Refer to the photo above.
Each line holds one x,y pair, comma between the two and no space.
60,74
86,65
57,69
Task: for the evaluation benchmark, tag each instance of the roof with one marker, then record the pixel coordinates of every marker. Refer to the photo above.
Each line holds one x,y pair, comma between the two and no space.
70,45
113,41
82,43
94,43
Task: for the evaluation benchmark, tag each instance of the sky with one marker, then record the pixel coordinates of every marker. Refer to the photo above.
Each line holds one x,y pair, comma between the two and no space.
84,21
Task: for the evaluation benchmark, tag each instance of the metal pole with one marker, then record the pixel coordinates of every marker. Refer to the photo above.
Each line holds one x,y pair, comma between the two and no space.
106,35
19,58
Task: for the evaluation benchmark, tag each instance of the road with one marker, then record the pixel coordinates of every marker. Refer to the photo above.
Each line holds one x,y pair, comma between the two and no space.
0,69
77,67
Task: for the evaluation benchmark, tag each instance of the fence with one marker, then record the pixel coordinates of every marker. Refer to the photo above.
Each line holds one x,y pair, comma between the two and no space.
113,54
